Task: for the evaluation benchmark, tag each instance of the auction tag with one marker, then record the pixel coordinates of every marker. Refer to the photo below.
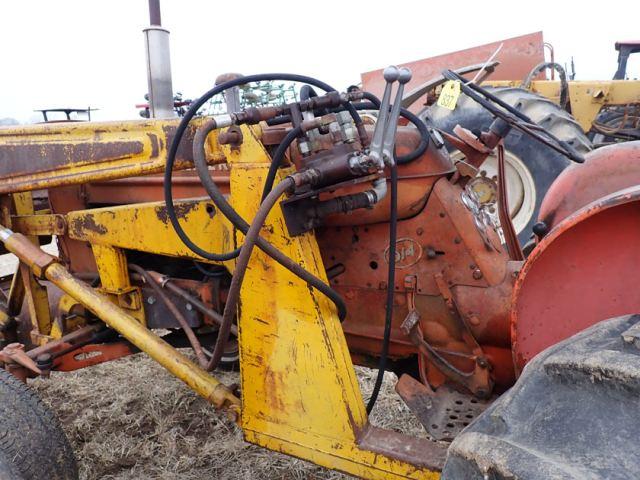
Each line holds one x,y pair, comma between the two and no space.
449,94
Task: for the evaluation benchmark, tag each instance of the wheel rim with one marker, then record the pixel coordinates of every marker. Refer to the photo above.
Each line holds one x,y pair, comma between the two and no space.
521,190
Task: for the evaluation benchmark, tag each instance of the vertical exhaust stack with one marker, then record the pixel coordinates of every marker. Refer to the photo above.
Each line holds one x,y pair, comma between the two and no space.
156,41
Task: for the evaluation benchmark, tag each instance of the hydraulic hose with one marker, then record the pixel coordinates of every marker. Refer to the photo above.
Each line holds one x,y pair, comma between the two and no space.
564,85
391,278
251,238
265,246
193,340
412,118
228,211
209,273
199,139
278,157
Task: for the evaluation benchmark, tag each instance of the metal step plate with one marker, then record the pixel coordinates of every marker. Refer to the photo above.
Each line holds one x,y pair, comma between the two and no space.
444,413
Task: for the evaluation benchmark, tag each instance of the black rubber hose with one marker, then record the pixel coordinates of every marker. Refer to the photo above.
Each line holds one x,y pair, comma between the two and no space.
307,92
199,139
182,126
564,85
412,118
210,273
391,278
228,211
250,240
278,157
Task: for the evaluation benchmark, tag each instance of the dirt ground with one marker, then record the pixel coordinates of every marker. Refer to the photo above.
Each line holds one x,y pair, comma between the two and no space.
130,419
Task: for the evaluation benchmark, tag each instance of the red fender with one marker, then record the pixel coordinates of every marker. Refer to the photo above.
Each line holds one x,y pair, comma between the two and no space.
606,170
585,270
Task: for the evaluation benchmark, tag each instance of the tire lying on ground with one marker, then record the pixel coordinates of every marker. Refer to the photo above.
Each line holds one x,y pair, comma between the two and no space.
32,443
531,166
572,415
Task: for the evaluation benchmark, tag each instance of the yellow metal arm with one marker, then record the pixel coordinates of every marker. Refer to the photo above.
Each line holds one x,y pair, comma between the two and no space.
51,155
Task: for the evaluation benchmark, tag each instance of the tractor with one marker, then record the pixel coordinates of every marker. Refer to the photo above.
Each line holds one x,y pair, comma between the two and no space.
586,114
294,241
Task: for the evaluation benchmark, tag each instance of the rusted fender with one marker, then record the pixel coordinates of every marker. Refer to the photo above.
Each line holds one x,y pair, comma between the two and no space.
585,270
606,170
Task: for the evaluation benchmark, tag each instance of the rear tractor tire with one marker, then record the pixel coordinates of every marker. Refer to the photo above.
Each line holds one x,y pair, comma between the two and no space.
32,443
531,167
572,415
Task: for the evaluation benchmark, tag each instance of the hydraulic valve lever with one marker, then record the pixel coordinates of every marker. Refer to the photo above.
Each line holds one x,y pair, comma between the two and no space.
391,74
392,122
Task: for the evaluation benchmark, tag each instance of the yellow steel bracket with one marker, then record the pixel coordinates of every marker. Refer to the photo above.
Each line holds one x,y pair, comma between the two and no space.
146,227
25,286
300,394
114,276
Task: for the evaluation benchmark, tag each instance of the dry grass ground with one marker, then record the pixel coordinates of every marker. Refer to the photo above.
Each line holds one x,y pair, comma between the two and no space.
130,419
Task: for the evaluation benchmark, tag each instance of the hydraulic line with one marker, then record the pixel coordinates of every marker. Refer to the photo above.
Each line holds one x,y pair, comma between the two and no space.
228,211
208,273
391,278
278,157
564,85
193,340
251,238
265,246
165,282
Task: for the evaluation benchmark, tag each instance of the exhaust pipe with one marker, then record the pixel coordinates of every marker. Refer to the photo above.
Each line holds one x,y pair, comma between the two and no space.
156,40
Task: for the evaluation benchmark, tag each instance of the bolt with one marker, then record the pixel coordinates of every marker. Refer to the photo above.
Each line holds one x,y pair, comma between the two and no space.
304,147
188,306
482,393
457,240
151,300
431,253
477,274
420,231
482,362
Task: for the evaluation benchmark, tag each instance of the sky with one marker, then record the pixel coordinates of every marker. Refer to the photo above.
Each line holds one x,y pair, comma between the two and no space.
75,53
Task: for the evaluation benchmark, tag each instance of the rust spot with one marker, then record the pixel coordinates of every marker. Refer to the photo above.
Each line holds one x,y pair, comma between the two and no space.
185,149
86,223
30,158
182,209
155,145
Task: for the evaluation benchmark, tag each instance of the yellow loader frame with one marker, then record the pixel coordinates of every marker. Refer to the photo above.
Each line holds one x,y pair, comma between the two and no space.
300,394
